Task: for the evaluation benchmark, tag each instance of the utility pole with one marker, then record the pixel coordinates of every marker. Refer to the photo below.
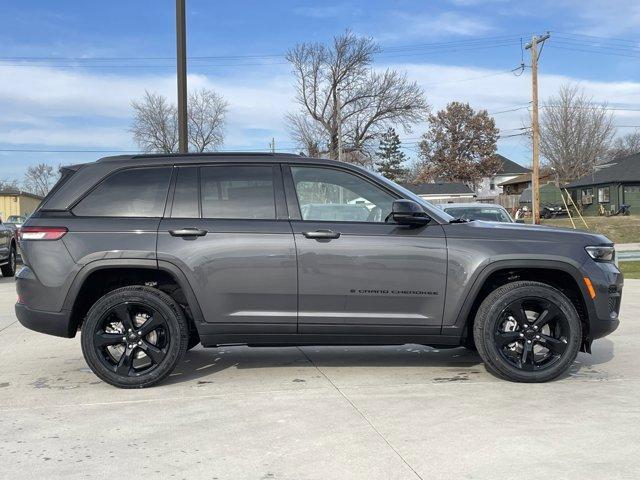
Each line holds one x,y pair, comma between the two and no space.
339,121
535,127
181,55
272,145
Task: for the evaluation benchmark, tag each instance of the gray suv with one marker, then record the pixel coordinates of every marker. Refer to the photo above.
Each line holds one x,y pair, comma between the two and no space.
149,255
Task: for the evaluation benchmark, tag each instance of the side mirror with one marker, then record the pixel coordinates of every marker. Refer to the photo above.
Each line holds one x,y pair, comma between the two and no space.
408,212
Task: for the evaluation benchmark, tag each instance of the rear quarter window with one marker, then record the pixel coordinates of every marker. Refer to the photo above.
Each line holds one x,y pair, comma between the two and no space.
137,192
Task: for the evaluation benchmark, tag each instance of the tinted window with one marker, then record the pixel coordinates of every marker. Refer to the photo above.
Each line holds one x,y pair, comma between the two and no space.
139,192
238,192
185,197
334,195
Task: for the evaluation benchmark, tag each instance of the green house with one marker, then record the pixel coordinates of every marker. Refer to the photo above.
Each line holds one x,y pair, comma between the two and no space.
610,185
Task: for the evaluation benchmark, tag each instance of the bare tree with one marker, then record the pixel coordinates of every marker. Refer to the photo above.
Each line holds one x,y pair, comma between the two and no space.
575,133
307,133
459,145
628,144
6,184
206,112
39,179
336,84
155,123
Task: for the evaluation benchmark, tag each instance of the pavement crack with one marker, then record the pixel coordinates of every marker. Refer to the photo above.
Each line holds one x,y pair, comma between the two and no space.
4,328
361,413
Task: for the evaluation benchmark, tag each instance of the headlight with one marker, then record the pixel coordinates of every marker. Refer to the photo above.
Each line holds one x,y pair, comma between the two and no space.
601,254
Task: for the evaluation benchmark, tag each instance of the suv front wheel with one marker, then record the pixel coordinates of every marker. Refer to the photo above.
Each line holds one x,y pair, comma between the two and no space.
133,337
527,332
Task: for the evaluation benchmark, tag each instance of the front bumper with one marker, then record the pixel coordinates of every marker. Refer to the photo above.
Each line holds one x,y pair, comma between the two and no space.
51,323
608,282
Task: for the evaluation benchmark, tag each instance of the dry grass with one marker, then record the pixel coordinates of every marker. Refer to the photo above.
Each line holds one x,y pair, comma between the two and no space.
618,229
630,269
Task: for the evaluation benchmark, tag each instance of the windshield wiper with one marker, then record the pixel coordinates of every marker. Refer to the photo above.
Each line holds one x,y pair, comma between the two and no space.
460,220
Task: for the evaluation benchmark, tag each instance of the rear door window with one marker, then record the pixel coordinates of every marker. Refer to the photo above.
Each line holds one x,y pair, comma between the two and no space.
137,192
243,192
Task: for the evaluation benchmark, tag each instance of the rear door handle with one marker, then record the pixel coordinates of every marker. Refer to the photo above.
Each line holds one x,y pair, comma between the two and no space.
322,234
188,232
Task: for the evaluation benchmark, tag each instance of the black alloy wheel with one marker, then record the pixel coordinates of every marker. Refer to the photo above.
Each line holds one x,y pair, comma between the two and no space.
527,331
133,337
531,333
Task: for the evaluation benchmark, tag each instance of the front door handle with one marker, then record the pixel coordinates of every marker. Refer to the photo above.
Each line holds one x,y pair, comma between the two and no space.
188,232
321,234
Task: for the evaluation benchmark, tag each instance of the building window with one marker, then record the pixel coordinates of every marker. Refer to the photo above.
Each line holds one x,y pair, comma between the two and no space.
492,184
603,195
586,196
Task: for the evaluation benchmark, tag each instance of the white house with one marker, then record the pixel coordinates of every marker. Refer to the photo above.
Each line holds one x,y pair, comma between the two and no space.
490,187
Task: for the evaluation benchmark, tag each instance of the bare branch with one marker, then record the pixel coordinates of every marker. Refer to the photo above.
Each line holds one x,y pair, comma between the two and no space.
369,101
575,133
39,179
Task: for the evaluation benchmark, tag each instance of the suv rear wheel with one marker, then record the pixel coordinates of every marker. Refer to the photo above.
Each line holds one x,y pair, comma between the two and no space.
527,332
133,337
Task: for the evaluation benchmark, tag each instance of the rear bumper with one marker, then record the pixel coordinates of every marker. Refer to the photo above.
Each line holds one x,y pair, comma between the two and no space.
51,323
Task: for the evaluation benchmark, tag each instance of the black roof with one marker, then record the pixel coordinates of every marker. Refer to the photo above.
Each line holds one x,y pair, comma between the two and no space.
509,166
439,188
619,170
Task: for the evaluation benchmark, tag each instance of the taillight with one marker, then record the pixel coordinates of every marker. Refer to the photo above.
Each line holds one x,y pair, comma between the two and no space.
42,233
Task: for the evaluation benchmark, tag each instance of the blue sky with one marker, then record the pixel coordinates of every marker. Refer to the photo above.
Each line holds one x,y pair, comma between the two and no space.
457,50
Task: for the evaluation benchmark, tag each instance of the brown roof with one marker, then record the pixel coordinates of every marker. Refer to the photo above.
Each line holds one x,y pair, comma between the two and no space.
16,192
524,178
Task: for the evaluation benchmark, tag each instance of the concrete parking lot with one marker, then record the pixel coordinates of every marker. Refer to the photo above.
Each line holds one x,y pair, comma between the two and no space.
401,412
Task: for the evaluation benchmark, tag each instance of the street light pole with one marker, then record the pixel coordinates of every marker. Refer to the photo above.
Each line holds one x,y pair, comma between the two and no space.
181,55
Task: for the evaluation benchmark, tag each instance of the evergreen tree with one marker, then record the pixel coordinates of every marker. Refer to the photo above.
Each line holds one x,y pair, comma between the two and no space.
390,158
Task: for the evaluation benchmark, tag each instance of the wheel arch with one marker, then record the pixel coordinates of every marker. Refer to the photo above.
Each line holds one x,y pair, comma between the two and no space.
561,275
99,277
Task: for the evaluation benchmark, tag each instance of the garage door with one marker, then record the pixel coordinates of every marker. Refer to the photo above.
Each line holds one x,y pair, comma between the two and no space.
632,196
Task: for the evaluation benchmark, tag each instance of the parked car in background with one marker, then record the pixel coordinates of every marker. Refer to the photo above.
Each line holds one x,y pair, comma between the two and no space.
8,250
15,221
549,210
478,211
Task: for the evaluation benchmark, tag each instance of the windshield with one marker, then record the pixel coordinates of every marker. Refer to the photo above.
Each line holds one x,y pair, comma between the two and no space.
489,214
409,195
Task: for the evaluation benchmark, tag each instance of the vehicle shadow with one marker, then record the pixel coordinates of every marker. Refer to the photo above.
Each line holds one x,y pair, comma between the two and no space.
207,362
204,363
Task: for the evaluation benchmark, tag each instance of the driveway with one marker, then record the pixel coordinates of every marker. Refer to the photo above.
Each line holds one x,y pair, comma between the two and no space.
400,412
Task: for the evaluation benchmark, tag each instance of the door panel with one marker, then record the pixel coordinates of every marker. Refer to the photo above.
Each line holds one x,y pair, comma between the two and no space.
372,275
363,276
242,271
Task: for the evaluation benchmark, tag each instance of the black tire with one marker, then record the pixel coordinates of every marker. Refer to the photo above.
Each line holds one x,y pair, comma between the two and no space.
140,356
9,270
544,318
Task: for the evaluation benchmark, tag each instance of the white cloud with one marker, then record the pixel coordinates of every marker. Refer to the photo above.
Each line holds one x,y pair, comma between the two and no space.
428,26
606,18
327,11
58,109
497,91
36,101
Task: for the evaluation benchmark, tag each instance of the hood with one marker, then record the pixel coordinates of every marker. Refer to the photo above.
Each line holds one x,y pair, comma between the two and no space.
535,233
